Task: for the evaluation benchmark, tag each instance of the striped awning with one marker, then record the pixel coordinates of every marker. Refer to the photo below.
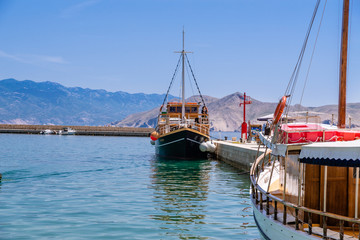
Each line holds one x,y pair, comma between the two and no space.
346,154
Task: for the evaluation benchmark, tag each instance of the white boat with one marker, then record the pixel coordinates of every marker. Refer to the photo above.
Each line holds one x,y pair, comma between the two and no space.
306,183
67,131
47,131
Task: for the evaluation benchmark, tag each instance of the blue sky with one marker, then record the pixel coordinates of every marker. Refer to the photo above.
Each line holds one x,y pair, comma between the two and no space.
128,45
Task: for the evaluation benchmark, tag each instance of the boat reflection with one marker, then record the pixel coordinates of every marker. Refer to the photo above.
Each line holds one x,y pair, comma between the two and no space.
181,189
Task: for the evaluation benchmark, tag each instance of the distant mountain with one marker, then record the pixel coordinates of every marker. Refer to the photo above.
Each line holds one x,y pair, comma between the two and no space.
226,115
149,118
29,102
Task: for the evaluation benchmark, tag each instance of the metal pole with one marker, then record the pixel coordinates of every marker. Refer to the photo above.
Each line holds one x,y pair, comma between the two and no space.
325,185
284,193
349,122
299,184
272,170
257,177
357,193
244,106
183,80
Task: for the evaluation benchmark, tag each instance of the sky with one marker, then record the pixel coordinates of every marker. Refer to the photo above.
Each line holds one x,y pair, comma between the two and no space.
128,45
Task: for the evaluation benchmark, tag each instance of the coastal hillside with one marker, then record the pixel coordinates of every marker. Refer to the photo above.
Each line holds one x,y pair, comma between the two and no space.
226,115
29,102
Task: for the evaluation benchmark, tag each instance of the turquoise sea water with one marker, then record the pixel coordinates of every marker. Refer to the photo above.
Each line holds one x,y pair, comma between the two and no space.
79,187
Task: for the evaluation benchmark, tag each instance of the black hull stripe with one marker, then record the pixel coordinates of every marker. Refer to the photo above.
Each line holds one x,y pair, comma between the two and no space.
171,142
179,141
193,140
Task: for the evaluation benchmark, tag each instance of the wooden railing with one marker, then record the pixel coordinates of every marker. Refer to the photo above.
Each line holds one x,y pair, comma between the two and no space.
258,197
202,128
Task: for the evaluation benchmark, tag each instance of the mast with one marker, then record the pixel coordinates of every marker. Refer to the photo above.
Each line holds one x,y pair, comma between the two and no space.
183,80
183,53
343,65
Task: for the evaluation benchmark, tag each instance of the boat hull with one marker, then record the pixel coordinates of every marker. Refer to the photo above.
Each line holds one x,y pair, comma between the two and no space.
181,144
274,230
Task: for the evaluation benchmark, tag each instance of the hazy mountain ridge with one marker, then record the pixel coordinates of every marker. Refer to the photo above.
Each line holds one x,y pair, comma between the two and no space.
29,102
226,114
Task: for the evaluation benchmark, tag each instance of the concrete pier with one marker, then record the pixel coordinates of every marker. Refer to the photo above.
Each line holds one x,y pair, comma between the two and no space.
239,155
80,130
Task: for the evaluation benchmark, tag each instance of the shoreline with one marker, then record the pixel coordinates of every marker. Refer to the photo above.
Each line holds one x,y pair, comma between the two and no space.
80,130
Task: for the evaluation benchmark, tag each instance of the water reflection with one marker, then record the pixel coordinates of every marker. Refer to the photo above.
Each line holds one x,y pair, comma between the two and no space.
201,199
181,188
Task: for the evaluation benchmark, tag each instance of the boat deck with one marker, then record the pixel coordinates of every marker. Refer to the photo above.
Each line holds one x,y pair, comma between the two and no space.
316,230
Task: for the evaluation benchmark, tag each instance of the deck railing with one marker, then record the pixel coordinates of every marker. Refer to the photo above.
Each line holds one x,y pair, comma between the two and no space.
168,123
259,195
166,128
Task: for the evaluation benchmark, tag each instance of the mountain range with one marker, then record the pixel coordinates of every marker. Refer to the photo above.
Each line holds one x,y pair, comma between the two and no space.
226,115
29,102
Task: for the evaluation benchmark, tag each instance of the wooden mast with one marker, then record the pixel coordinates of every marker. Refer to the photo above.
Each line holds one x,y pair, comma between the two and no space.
343,65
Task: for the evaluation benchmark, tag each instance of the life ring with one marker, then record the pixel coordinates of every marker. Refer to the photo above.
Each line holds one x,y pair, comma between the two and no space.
279,110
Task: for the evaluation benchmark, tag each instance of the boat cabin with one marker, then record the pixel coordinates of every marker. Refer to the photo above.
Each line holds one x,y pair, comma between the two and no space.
196,117
317,184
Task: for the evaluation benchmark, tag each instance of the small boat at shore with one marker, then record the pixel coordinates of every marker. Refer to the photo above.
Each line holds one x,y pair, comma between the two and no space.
182,130
306,183
67,131
47,132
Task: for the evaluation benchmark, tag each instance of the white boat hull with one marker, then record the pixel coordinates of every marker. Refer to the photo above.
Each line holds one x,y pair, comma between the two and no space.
274,230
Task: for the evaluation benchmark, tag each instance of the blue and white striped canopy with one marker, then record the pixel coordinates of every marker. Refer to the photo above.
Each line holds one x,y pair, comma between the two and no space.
345,154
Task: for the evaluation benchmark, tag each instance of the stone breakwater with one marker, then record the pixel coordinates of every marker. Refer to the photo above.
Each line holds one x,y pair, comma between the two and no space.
80,130
239,155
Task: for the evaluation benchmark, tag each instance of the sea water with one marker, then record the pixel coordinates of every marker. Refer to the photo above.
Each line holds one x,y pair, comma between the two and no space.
81,187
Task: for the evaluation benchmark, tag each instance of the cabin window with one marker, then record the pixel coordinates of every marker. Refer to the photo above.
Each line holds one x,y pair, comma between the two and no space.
178,109
194,109
187,109
172,109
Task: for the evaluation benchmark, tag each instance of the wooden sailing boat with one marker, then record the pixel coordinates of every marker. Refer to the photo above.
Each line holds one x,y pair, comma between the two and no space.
182,126
315,191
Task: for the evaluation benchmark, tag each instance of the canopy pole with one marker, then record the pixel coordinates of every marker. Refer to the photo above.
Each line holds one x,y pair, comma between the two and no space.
284,192
272,170
299,183
357,193
325,185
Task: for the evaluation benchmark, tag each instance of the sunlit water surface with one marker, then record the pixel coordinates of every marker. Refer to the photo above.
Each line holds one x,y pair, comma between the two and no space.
76,187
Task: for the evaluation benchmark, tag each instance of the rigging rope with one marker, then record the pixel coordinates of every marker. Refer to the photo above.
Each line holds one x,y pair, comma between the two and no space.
202,99
172,81
293,80
312,55
192,89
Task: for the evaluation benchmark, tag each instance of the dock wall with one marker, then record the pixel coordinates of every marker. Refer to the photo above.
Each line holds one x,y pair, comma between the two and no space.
80,130
239,155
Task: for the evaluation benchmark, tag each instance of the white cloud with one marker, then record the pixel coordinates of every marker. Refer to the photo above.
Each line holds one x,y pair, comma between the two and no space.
70,11
51,59
9,56
33,59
